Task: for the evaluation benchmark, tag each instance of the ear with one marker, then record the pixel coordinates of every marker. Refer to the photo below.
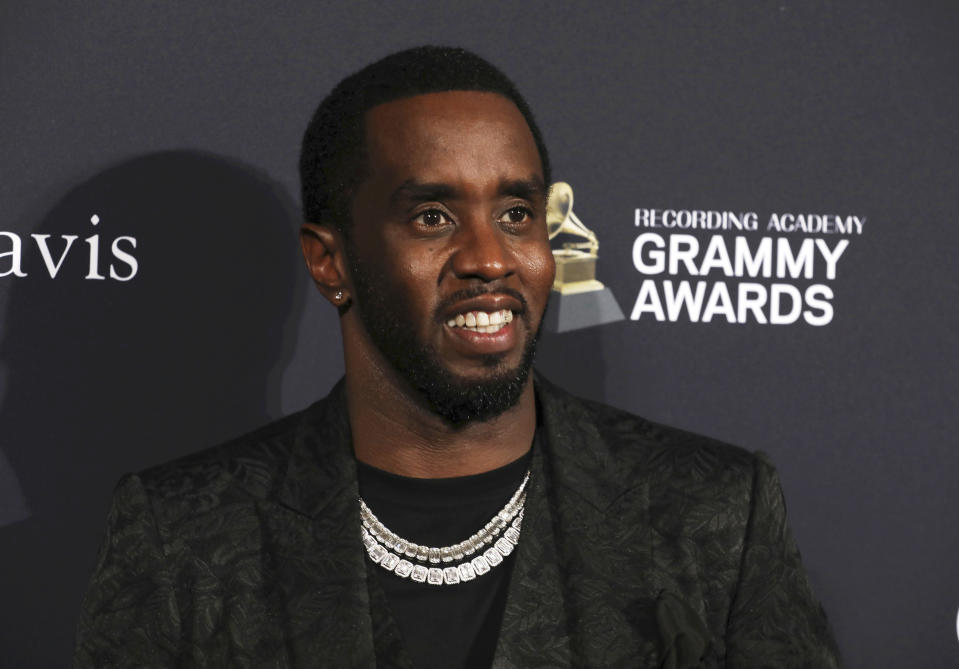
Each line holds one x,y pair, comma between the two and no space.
323,251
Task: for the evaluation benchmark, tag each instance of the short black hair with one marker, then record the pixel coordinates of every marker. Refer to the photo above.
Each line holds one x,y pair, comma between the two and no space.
333,153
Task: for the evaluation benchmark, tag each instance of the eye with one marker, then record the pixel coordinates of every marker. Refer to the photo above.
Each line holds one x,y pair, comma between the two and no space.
432,218
516,216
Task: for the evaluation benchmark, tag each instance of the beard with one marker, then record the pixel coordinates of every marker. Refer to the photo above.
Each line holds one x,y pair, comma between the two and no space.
458,400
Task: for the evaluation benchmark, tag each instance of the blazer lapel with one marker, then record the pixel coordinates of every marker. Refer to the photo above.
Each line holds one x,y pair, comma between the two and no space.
534,632
603,538
316,549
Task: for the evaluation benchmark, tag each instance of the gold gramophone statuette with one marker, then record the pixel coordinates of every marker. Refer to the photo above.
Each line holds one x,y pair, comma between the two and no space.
576,260
582,301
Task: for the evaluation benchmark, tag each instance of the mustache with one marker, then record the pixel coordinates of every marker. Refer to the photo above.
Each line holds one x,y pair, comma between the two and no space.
478,291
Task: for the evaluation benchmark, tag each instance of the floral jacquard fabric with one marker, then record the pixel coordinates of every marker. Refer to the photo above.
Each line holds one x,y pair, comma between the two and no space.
642,546
683,634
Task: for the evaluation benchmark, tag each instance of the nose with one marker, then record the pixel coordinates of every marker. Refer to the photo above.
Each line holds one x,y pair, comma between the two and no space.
482,251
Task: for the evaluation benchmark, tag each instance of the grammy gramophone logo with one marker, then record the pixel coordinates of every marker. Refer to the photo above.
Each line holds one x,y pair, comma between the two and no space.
578,300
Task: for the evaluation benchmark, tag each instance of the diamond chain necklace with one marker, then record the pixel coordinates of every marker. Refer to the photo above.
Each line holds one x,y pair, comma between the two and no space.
387,549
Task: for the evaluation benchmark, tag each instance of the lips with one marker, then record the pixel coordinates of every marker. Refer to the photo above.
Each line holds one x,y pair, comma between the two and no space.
486,322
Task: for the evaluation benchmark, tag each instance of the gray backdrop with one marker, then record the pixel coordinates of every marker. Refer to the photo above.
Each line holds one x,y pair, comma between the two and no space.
178,125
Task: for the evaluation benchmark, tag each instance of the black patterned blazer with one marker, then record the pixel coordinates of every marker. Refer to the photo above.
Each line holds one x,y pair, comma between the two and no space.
643,546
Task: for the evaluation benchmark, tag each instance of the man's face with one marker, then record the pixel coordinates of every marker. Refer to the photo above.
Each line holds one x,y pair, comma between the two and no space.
448,251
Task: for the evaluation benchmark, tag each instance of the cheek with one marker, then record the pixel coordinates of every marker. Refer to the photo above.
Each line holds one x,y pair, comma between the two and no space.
541,267
417,272
415,279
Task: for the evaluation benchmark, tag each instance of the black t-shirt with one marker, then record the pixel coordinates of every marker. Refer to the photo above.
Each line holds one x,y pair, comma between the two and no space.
444,626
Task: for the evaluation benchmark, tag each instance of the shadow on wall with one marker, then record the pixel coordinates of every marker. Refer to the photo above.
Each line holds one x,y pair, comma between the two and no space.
110,375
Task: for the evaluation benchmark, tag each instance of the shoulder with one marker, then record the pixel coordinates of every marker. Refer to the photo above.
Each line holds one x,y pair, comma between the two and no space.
243,470
249,461
631,450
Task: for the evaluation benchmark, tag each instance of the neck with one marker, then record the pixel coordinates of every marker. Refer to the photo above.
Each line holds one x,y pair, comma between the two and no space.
393,430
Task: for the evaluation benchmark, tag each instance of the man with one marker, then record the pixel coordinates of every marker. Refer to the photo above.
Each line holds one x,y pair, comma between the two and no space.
443,507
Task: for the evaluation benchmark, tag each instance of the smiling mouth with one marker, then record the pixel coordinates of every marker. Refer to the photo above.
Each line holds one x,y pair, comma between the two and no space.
486,322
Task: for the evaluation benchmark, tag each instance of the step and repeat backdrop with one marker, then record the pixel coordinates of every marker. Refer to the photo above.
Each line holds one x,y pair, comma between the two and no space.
768,192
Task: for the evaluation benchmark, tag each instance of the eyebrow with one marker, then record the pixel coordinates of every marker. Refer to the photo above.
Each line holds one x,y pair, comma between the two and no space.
416,191
528,189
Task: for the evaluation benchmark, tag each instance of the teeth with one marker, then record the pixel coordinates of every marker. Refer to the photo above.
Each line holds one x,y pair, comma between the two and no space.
482,321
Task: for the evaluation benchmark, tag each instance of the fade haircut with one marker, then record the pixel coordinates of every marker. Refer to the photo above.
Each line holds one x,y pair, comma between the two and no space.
333,160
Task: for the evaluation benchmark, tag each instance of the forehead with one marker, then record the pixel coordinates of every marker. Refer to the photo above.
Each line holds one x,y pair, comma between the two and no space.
456,133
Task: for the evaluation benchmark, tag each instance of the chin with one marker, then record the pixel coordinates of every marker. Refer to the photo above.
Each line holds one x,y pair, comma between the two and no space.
478,395
461,400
